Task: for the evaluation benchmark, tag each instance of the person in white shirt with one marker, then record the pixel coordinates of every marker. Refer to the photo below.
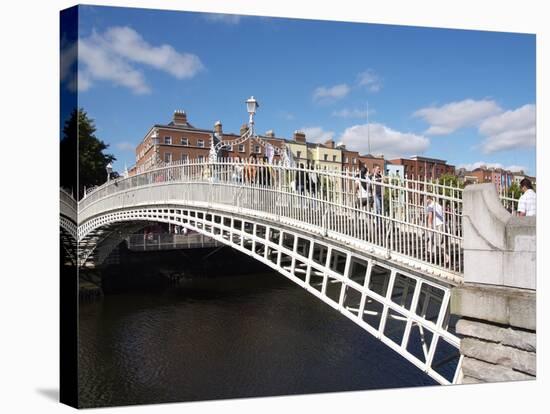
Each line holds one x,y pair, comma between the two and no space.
436,221
527,204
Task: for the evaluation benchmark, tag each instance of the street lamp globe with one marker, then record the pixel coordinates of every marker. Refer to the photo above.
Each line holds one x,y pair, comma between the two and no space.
252,105
109,168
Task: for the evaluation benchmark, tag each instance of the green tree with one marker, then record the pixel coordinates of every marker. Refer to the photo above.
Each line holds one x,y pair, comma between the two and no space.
514,191
450,180
92,162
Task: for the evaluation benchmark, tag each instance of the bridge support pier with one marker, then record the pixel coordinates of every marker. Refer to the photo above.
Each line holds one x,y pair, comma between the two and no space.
497,302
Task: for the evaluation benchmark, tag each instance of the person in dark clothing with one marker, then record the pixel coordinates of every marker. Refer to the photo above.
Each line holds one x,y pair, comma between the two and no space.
312,178
302,181
264,172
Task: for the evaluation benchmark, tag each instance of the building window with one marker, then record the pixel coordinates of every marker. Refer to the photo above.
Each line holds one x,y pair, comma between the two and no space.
354,161
241,147
168,140
200,143
229,148
184,158
345,160
257,149
334,158
200,158
325,157
167,157
298,154
184,141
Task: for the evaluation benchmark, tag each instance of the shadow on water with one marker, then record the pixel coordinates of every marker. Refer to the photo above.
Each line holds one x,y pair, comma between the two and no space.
240,336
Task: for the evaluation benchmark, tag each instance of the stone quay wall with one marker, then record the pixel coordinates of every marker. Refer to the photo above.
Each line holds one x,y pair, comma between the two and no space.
497,302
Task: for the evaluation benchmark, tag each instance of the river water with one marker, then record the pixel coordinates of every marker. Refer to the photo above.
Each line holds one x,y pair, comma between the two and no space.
227,337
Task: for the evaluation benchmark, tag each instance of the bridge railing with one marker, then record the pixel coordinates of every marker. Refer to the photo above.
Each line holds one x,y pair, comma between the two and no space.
168,241
386,212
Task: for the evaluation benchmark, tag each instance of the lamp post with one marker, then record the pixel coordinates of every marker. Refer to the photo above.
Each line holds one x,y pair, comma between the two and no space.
155,141
251,106
109,169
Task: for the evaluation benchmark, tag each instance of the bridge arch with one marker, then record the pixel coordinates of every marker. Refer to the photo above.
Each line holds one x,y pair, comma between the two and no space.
382,265
398,305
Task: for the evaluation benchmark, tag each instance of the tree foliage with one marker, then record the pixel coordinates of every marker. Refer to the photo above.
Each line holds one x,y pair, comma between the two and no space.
514,191
92,161
451,181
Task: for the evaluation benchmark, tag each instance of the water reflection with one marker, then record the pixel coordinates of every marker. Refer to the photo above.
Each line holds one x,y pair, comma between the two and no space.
254,335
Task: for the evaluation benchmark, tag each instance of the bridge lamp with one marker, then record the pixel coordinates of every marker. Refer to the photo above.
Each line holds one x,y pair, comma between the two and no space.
251,106
109,169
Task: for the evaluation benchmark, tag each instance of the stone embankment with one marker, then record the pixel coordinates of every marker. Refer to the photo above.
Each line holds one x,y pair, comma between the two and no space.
497,302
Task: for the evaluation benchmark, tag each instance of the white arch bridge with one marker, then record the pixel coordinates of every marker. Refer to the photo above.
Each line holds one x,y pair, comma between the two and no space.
375,261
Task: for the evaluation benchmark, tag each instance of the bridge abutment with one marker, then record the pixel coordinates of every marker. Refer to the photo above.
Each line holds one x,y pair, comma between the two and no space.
497,302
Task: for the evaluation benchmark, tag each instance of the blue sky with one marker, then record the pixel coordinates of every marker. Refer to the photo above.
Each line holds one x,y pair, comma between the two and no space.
464,96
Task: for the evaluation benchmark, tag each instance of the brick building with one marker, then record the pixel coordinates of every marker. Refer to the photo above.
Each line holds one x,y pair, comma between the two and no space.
424,168
180,141
245,149
350,159
370,161
176,141
501,178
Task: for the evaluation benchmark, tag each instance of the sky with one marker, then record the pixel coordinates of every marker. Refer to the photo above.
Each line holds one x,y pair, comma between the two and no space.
465,96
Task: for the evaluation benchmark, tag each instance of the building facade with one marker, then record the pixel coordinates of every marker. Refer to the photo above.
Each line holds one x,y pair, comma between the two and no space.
325,156
180,141
250,147
422,168
298,147
371,161
394,170
350,159
501,178
175,141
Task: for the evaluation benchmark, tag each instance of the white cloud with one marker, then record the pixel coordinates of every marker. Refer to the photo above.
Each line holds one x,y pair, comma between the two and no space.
126,146
448,118
370,80
479,164
383,140
110,57
223,18
100,63
287,115
352,113
317,134
323,93
128,43
515,129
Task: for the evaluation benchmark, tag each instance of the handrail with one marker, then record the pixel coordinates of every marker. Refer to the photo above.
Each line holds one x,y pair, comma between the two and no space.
392,213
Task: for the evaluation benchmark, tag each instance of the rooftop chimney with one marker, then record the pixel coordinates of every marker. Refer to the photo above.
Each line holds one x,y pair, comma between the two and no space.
244,128
270,134
299,136
218,128
329,143
180,117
